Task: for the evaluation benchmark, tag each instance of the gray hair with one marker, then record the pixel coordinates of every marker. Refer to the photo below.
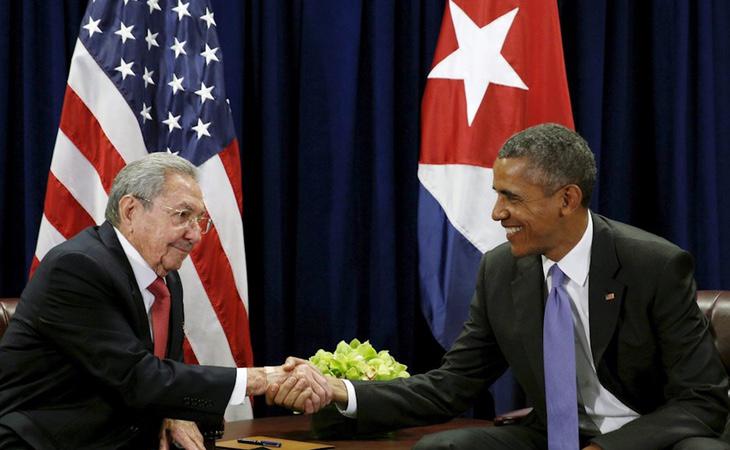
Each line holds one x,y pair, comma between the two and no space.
557,156
145,178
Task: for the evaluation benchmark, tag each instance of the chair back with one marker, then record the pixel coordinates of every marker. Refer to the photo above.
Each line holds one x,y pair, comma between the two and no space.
7,309
716,306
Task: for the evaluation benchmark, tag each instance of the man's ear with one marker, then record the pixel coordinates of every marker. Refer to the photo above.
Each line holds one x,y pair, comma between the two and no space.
127,208
572,198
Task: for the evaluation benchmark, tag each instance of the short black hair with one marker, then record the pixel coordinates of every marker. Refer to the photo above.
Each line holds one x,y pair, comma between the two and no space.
557,156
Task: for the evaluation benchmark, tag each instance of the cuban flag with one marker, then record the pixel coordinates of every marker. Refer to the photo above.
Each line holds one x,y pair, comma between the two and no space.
147,76
498,68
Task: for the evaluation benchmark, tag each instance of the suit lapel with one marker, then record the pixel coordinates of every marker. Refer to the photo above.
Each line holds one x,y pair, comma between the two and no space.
126,278
529,303
605,292
174,343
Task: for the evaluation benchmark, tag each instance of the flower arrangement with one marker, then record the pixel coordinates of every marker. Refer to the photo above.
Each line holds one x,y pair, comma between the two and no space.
358,361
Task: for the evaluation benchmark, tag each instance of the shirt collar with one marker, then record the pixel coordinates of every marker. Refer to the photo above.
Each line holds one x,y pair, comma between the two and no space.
143,273
576,263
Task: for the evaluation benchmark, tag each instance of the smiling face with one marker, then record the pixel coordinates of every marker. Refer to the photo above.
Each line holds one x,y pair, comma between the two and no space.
536,222
152,231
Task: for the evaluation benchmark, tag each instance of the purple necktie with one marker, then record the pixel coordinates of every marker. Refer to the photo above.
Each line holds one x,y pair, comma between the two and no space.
559,352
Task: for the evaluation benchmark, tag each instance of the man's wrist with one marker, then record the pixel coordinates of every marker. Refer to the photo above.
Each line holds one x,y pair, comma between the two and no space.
260,378
339,391
256,383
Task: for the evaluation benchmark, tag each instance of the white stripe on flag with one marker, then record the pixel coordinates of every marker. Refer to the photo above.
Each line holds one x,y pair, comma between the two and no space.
75,172
106,103
465,193
223,209
204,332
48,237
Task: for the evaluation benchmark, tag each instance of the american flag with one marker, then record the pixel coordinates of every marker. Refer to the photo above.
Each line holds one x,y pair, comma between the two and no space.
147,76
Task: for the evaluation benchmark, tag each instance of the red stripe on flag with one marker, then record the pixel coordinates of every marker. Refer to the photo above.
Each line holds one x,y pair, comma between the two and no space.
190,357
82,128
216,275
231,159
33,266
63,211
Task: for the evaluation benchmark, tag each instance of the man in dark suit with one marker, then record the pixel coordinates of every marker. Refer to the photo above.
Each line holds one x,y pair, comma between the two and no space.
641,368
88,362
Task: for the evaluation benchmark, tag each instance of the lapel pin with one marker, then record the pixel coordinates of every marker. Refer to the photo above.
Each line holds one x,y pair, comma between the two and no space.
610,296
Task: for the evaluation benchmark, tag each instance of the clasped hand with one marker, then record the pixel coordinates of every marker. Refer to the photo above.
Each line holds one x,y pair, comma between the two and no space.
300,387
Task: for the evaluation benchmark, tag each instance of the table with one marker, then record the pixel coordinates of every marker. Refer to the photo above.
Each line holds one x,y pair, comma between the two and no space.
296,427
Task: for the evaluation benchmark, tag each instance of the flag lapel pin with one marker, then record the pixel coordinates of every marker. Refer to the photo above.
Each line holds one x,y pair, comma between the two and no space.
610,297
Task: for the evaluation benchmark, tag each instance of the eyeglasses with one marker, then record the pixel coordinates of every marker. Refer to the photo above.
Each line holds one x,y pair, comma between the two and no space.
184,217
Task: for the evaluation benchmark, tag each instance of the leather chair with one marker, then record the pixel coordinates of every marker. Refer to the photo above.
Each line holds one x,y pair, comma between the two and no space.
716,306
7,309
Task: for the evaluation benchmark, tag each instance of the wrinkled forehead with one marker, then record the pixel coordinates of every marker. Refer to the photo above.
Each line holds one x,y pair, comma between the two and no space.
182,192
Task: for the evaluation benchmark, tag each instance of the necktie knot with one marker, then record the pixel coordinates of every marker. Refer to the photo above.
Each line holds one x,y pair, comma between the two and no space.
158,288
557,275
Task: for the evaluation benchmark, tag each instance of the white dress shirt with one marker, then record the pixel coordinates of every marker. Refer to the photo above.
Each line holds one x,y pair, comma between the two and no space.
603,411
144,276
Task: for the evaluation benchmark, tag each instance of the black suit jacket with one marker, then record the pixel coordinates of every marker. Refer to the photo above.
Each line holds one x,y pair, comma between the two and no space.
651,343
77,368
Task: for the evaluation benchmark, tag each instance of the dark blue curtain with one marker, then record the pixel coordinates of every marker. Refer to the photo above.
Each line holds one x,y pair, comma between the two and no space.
326,98
649,87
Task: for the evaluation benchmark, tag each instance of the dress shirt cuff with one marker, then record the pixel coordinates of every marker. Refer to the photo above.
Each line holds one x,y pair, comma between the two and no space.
351,410
238,396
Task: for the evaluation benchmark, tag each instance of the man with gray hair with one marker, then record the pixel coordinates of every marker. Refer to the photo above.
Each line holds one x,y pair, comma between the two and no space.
92,358
596,319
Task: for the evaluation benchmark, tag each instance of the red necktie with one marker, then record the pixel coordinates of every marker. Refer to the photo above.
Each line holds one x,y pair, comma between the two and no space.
160,313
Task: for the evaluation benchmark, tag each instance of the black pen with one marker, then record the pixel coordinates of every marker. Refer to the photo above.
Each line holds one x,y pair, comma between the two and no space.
257,442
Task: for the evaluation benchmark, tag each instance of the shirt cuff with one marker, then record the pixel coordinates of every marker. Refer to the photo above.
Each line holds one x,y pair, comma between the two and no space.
238,396
351,410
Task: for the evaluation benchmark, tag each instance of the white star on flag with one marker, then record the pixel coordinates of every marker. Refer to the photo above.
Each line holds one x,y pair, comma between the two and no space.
178,47
202,129
145,113
151,39
209,54
125,68
208,17
125,32
92,27
204,93
478,60
154,5
147,77
172,122
176,84
181,9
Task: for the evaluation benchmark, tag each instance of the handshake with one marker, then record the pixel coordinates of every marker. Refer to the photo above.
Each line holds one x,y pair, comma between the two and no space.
296,385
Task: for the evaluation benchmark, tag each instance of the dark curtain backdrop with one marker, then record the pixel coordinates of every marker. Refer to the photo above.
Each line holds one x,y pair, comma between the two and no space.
326,97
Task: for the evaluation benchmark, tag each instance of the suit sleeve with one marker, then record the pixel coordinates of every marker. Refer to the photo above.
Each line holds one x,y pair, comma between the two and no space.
84,313
696,387
473,363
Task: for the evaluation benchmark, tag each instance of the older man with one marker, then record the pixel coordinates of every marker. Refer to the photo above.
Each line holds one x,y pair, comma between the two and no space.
92,358
597,320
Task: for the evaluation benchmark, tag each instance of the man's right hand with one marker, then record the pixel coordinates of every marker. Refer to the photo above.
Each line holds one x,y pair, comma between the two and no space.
304,389
297,385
